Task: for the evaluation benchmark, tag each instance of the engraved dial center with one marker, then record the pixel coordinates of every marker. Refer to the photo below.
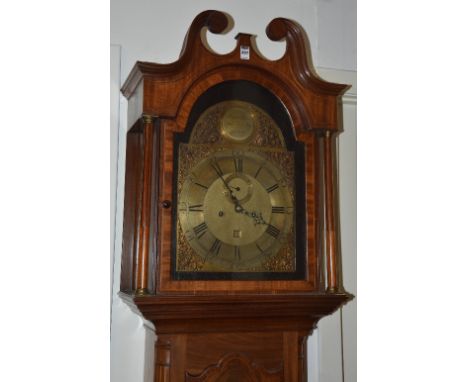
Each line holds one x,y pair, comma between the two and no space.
236,226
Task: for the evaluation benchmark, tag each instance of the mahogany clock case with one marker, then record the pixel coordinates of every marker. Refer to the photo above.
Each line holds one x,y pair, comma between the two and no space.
257,95
164,103
228,314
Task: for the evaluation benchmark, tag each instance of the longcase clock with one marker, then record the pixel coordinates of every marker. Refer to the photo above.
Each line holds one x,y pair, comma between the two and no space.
231,243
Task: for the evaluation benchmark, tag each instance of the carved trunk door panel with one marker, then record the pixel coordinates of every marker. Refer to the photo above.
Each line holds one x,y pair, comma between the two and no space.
234,368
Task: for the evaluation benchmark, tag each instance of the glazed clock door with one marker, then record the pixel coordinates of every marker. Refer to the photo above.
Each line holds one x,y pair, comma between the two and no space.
237,183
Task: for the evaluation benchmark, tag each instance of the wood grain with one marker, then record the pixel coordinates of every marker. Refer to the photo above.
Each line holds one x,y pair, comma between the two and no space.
331,230
145,214
228,330
166,85
132,202
236,367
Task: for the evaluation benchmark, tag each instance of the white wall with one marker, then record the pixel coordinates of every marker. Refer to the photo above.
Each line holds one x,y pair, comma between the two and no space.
154,31
335,339
150,30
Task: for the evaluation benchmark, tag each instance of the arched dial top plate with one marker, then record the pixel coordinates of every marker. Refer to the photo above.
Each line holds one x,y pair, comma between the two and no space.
237,124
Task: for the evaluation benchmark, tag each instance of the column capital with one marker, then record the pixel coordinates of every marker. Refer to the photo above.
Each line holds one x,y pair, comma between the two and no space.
147,118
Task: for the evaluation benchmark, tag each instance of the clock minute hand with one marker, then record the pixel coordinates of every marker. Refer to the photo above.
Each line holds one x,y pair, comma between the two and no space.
220,175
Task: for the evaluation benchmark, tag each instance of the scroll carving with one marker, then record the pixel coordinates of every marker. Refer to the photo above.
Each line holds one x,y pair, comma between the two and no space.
236,367
281,28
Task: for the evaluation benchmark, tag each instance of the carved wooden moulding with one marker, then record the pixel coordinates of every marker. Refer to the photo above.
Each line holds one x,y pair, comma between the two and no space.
236,367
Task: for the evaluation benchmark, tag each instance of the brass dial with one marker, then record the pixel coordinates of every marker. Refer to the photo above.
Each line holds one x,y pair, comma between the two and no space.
235,210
